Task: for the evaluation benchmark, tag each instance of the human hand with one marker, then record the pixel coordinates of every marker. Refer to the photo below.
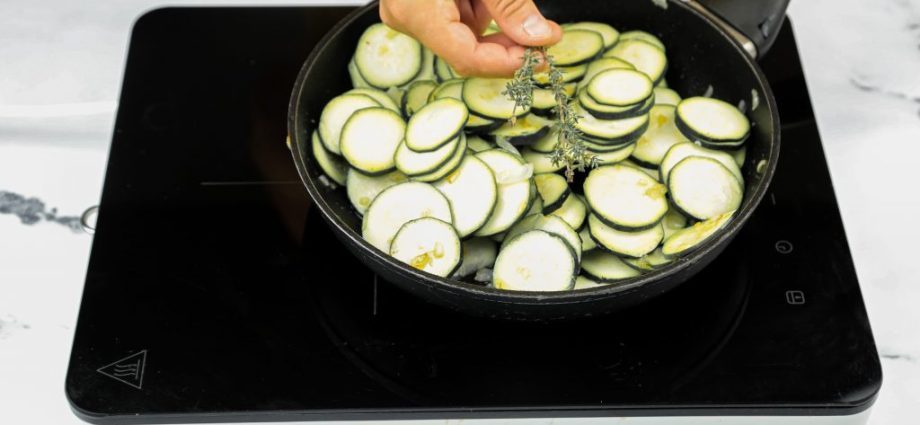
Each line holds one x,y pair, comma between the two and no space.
453,29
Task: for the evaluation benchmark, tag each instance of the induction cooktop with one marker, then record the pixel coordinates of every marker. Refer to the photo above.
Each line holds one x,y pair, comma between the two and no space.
215,292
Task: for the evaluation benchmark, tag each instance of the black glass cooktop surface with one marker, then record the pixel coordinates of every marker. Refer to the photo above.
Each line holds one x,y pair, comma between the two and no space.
216,293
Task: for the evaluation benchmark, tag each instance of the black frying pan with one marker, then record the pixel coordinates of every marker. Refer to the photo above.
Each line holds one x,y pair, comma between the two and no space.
703,51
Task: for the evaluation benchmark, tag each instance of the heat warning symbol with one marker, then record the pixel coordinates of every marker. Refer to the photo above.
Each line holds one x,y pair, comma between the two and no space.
128,370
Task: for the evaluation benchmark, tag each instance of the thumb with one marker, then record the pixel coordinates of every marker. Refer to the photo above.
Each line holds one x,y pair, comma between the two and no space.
521,21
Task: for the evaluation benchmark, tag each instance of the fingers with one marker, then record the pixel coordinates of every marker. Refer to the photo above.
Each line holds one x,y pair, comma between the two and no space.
469,55
523,22
473,14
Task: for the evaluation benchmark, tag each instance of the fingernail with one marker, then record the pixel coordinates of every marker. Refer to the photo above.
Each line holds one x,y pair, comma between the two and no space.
536,26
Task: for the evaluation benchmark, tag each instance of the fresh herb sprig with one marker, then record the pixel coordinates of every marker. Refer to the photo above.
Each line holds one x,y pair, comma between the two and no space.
570,149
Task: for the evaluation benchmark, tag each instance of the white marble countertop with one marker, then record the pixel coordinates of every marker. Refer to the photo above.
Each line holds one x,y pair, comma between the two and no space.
60,73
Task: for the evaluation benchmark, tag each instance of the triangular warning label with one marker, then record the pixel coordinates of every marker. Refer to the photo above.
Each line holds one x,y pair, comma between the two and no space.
129,370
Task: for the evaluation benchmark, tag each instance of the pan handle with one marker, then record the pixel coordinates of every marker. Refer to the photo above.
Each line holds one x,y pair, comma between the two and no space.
753,24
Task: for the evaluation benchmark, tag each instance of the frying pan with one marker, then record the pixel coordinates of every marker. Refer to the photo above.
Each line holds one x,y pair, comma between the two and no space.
706,55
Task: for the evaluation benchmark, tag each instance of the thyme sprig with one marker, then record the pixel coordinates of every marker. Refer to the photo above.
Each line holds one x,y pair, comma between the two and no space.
570,149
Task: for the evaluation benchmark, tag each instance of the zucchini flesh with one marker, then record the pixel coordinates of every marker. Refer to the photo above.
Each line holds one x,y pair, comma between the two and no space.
514,197
379,95
541,162
553,190
685,240
547,143
478,144
608,33
604,267
478,253
626,244
672,222
436,124
661,135
483,96
446,168
387,58
526,129
370,138
417,96
357,81
644,36
573,211
576,47
363,189
398,205
739,155
652,172
443,70
332,165
429,245
703,188
587,242
602,64
585,282
666,96
713,122
336,113
614,156
472,193
570,74
547,223
681,151
535,261
620,87
611,130
449,88
648,262
607,112
625,198
544,100
418,163
646,57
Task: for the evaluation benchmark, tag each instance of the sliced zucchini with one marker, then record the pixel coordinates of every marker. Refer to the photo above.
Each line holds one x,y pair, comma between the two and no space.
443,70
396,96
607,112
653,172
547,143
478,253
418,163
681,151
357,81
672,222
644,36
398,205
483,96
544,100
604,146
651,261
514,198
662,83
703,188
739,155
536,206
436,124
334,115
585,282
607,32
666,96
570,75
587,242
576,47
604,267
661,135
627,244
429,245
479,125
332,165
387,58
611,130
478,144
625,198
524,130
379,95
542,163
685,240
427,72
472,193
547,223
363,189
448,167
370,138
553,190
449,88
535,261
573,211
615,156
620,87
645,56
602,64
713,122
417,96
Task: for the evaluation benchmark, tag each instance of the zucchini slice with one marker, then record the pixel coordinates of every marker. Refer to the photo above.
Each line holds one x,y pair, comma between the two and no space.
573,211
587,242
614,156
666,96
436,124
357,81
570,75
363,189
652,172
553,190
604,267
332,165
417,96
443,70
685,240
427,72
625,244
608,33
620,87
607,112
544,100
535,261
602,64
610,130
483,96
542,162
472,193
644,36
713,122
334,115
448,167
478,253
681,151
546,143
547,223
379,95
449,88
514,195
387,58
703,188
418,163
651,261
739,155
370,138
478,144
429,245
661,135
525,130
576,47
398,205
585,282
672,222
625,198
646,57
